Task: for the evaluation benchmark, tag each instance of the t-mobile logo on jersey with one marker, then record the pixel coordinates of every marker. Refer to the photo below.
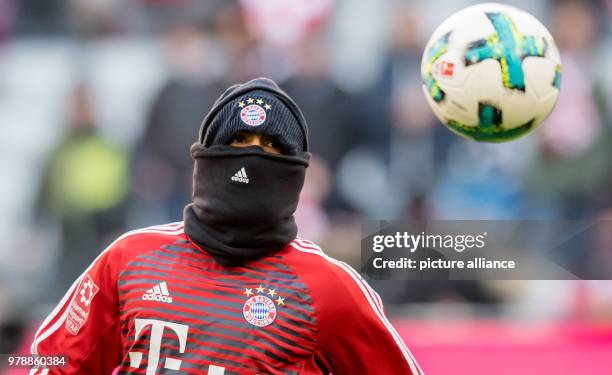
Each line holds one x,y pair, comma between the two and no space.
157,332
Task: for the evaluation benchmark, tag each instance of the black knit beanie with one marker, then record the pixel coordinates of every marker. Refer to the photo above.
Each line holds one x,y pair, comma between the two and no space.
258,106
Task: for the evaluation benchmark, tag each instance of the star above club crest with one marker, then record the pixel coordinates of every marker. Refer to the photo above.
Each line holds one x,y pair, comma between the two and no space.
241,104
259,101
280,301
260,289
248,292
250,100
272,292
267,106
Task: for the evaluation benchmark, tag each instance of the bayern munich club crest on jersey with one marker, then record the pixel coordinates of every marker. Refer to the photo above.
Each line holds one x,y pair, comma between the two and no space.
259,310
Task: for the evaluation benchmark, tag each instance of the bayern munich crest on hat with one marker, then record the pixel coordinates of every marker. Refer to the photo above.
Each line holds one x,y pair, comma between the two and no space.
259,310
251,111
253,115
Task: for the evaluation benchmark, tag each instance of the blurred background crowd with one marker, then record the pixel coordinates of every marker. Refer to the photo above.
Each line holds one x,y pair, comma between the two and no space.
101,99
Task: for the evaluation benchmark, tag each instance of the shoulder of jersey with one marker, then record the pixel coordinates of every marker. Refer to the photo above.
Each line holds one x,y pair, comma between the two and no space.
308,247
144,238
311,257
325,271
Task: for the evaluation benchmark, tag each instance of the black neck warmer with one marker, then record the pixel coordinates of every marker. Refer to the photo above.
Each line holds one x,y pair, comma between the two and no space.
243,202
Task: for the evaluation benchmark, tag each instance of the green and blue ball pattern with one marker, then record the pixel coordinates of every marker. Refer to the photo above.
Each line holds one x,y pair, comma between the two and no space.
509,47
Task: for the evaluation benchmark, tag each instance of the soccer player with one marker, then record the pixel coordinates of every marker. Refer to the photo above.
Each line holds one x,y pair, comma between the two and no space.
231,289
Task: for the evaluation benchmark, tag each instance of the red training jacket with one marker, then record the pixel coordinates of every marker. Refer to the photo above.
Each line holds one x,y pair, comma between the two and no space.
155,303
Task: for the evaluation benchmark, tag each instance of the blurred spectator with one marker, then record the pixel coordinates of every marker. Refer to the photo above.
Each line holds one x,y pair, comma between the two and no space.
84,187
162,165
285,23
91,18
310,216
574,155
10,329
238,47
413,124
42,17
7,14
576,103
328,110
153,17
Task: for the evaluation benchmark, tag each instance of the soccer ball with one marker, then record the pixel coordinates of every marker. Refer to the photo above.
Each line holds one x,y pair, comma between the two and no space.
491,73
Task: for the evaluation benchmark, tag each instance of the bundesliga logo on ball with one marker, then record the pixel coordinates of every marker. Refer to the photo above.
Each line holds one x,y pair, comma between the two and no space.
491,73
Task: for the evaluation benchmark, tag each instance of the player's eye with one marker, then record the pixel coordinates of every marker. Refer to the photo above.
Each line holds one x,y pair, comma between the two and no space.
240,138
268,142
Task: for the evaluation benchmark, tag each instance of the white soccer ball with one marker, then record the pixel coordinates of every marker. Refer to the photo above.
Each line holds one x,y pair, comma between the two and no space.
491,72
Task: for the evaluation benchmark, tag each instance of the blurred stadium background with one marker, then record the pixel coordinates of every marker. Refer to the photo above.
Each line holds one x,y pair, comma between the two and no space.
100,100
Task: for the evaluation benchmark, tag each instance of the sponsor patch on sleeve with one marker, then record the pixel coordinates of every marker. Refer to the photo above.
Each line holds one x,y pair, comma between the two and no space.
79,308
